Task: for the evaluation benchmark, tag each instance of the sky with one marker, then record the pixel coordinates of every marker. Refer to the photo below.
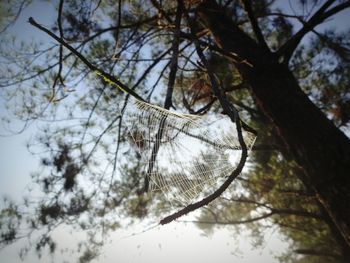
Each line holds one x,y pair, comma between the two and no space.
176,242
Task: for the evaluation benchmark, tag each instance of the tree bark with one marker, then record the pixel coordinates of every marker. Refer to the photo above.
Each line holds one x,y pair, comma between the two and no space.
317,145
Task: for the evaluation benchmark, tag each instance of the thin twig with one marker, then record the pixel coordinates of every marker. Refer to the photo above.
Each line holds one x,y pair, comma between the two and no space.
254,22
287,50
233,114
94,68
168,99
60,59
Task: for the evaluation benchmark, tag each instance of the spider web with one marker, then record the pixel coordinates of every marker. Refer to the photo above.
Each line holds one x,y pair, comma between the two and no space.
184,156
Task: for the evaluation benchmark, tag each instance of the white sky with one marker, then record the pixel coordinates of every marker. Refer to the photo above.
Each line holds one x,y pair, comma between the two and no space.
172,243
176,242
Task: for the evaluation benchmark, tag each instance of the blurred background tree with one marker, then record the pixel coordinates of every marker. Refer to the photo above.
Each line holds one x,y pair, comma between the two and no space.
90,176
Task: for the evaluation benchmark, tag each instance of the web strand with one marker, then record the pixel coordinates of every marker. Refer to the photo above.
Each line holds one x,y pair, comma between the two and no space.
184,156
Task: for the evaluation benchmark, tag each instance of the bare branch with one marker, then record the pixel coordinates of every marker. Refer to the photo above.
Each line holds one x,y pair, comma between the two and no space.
22,6
174,59
247,4
118,28
94,68
161,11
232,222
287,50
233,114
60,59
168,99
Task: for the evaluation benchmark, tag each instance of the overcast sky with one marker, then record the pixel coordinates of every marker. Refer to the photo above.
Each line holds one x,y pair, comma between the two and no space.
176,242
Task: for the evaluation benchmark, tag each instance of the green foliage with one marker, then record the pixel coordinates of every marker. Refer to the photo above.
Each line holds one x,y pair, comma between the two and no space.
91,172
10,219
274,196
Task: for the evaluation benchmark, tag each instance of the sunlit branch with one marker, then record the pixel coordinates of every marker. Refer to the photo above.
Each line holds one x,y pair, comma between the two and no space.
85,61
161,11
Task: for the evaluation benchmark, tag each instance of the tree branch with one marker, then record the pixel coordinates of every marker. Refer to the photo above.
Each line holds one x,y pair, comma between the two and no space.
60,60
22,6
168,99
287,50
317,252
231,222
161,11
280,211
94,68
233,114
174,58
116,35
247,4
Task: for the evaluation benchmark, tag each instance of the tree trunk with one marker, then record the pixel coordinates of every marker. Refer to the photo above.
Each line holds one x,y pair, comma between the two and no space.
317,145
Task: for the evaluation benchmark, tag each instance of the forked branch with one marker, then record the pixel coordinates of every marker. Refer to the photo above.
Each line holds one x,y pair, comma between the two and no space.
233,114
287,50
247,4
94,68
